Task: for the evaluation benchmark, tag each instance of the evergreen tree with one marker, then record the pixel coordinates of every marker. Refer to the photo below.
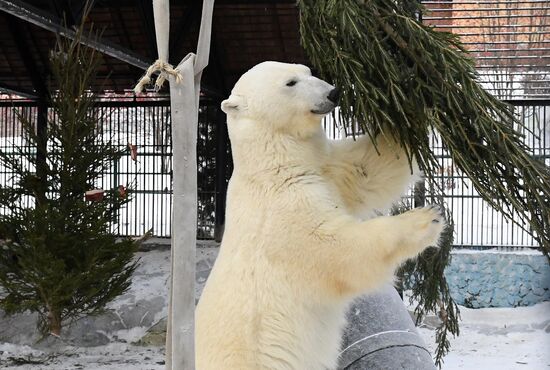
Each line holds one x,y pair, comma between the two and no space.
401,77
412,80
424,278
58,256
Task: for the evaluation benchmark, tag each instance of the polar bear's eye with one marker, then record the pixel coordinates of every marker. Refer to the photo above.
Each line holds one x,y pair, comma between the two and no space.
291,83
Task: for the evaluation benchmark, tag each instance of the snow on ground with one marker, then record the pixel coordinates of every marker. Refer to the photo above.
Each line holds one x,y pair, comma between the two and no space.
499,338
150,280
490,339
114,356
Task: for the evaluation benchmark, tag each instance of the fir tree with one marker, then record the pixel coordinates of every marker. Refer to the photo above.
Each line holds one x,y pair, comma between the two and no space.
399,74
424,278
58,257
401,77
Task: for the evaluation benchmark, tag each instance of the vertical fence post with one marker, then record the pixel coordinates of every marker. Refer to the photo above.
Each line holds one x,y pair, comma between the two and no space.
42,146
222,138
419,194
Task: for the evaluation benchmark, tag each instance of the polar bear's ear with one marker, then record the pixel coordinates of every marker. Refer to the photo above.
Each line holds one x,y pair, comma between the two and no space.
232,104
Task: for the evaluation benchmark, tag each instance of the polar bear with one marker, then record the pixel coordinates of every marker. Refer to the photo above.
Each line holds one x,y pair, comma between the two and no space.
299,244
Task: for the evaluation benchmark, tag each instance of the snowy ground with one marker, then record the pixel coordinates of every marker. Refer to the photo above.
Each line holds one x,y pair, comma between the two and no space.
494,338
114,356
149,283
500,338
490,339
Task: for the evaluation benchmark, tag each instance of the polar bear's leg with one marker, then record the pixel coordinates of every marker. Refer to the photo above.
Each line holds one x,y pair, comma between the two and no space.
369,177
366,253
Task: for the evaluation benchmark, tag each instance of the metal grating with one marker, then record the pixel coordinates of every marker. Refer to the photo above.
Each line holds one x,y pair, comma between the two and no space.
509,39
476,224
146,125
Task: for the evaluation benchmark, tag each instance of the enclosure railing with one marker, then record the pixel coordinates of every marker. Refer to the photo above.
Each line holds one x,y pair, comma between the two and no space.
476,224
144,126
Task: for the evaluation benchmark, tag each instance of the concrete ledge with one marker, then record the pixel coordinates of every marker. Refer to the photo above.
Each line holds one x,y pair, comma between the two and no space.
498,278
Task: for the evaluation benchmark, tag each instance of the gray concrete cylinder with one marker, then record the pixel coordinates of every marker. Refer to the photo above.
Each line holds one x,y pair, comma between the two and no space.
381,335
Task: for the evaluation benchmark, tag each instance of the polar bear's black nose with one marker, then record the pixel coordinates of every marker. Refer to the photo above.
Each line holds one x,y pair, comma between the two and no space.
334,95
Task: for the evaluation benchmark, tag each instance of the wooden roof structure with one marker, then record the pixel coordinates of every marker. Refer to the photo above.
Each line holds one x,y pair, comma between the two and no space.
245,32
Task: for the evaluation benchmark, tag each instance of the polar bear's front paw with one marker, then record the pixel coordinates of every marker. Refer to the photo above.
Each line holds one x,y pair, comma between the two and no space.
424,226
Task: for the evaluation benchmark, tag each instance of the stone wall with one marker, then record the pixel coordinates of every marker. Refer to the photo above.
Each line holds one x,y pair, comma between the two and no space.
498,279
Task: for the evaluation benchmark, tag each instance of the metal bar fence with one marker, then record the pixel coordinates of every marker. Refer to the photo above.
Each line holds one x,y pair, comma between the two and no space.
476,224
146,125
14,142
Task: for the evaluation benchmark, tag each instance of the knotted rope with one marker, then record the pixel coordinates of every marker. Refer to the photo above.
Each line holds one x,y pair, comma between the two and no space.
161,67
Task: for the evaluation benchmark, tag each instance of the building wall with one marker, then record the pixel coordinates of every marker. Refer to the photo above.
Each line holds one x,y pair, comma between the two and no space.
498,279
508,40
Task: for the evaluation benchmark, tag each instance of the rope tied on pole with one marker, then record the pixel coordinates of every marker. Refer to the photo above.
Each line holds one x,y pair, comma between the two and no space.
164,69
184,81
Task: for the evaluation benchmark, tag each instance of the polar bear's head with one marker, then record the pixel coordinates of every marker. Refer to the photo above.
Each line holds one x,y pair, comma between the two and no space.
281,97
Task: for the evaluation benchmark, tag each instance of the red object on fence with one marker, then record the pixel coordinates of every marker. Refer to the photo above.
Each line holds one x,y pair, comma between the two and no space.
133,151
95,195
122,191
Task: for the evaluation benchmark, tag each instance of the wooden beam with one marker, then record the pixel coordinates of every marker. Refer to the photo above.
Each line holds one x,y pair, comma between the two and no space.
17,33
51,23
47,21
15,90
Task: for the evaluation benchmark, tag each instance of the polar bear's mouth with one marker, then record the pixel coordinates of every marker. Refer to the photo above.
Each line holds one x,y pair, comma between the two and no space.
328,105
324,108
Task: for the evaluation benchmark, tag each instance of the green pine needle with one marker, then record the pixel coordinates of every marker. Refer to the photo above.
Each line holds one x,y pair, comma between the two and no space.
58,256
401,77
399,74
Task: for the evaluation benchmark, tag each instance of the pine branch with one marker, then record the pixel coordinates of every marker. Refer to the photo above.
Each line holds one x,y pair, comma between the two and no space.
413,82
424,276
398,73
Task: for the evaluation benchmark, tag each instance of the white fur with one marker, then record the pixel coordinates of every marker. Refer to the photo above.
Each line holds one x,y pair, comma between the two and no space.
297,247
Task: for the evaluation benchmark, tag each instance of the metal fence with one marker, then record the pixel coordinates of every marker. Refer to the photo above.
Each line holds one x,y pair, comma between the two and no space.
146,125
476,224
13,140
510,43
